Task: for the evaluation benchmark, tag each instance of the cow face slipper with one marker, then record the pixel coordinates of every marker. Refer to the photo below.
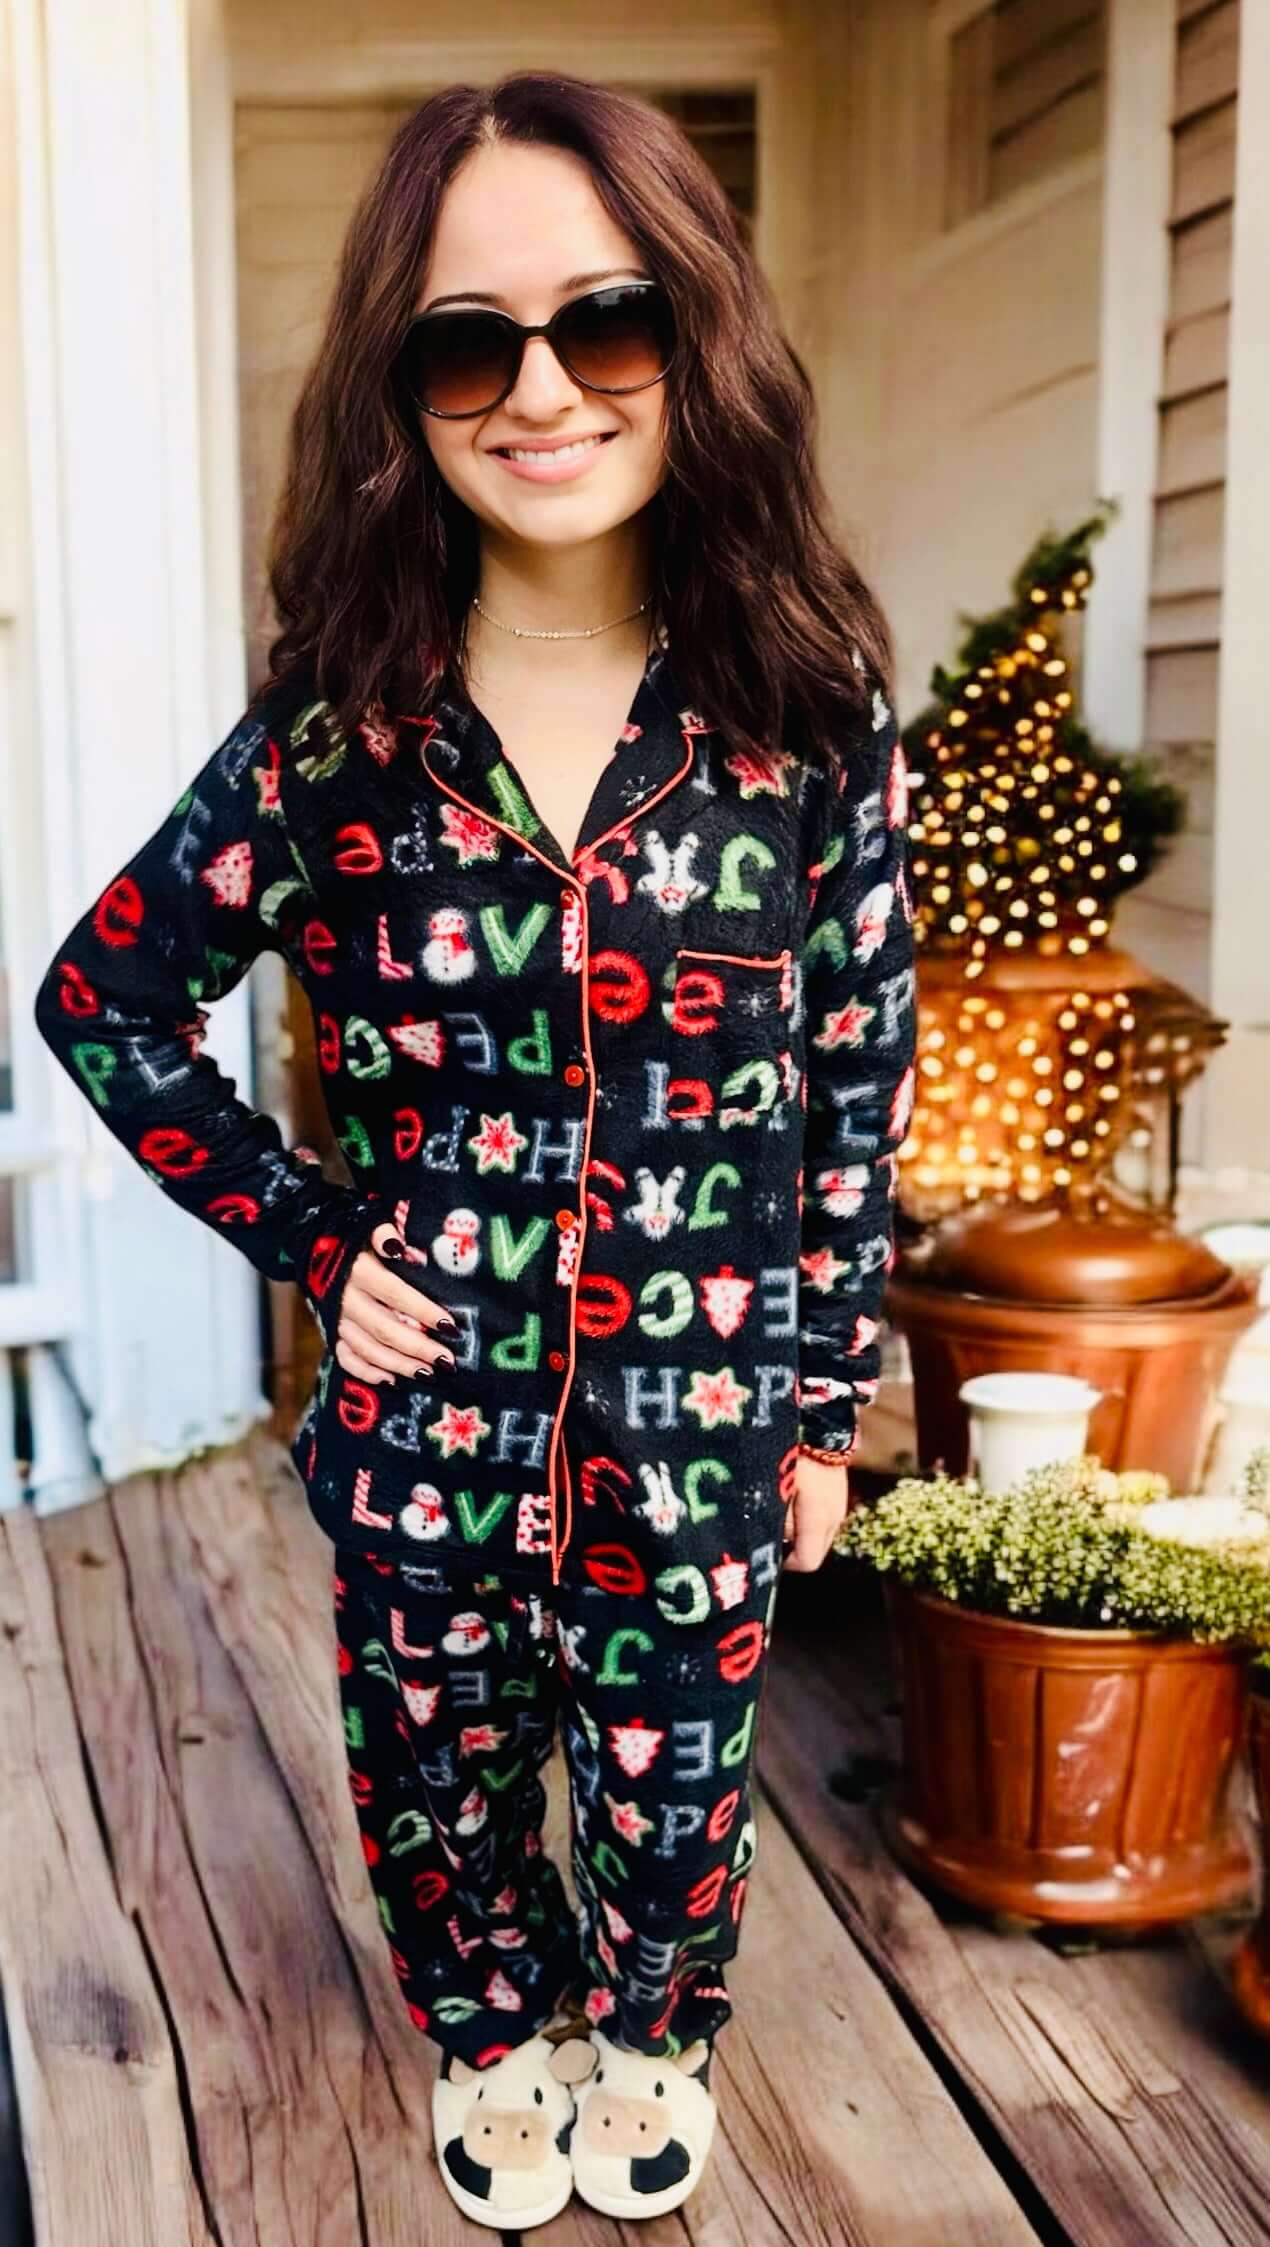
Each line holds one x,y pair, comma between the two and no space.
502,2133
644,2128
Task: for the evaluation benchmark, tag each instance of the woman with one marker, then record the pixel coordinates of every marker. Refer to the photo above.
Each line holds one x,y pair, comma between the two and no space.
575,802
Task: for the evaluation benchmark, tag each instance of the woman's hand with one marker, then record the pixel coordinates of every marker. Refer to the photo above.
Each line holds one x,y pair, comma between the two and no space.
384,1322
817,1510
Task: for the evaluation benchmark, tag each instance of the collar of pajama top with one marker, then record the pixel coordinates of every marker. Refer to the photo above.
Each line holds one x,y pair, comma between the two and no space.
460,751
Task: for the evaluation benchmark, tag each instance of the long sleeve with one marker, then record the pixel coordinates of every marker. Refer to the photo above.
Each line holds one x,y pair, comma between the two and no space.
859,995
215,885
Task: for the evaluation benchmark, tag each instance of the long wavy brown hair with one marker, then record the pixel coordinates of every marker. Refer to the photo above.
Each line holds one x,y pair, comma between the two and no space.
373,560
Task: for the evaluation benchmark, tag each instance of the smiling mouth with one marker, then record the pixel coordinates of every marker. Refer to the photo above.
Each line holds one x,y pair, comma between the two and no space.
571,451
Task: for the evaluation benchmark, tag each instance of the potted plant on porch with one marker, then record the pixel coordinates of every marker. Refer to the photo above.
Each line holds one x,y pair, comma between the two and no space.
1074,1658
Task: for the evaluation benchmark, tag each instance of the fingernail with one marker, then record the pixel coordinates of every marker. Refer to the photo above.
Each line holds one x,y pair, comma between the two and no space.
393,1250
446,1357
451,1325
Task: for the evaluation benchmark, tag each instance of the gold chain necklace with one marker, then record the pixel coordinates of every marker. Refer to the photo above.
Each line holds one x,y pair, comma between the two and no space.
525,632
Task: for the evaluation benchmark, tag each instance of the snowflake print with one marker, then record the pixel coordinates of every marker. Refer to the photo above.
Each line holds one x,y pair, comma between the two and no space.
460,1428
844,1025
480,1739
497,1143
822,1268
468,835
718,1399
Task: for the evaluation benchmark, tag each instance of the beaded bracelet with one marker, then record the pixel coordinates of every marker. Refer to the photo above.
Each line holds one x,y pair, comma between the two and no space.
832,1458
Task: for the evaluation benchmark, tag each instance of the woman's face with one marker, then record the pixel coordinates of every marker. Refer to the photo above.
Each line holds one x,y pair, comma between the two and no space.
524,230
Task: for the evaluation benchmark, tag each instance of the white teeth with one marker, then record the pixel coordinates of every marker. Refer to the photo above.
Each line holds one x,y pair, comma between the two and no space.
550,452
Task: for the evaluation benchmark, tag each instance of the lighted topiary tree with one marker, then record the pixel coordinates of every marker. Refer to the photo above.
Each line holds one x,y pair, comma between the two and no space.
1026,832
1040,1048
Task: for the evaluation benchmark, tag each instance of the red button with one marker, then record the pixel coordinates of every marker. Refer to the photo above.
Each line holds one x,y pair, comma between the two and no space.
575,1073
557,1360
565,1218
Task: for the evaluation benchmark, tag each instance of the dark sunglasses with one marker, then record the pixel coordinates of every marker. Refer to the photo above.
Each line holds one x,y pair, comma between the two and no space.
615,339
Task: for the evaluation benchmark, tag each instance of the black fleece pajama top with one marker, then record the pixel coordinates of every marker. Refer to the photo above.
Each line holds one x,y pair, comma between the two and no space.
634,1114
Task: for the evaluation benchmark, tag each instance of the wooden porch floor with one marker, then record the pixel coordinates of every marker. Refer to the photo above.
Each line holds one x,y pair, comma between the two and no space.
207,2046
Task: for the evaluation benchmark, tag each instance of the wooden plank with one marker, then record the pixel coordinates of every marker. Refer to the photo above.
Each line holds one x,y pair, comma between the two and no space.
1204,163
96,2076
1181,704
1196,355
1192,442
1200,276
1207,60
291,2106
294,1909
1120,2077
1188,543
825,2100
1191,621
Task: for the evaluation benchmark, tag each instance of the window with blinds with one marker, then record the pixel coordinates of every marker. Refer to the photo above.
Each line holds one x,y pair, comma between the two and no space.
1026,85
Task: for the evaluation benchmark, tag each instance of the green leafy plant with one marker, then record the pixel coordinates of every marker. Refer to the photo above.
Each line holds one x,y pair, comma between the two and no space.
1078,1545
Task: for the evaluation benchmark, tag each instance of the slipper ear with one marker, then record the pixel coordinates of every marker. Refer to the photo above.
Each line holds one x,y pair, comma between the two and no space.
573,2060
693,2058
460,2072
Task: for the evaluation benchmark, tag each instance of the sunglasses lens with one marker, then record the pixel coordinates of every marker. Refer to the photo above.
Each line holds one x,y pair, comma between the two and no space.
458,363
618,339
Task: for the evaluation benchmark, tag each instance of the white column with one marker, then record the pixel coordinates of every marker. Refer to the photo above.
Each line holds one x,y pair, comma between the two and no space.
163,1315
1236,1087
1241,928
1141,37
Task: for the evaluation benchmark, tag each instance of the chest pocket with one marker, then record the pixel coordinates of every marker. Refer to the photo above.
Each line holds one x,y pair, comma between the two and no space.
729,1016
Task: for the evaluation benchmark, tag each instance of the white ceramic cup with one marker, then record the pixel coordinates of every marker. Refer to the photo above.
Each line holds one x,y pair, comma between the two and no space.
1023,1420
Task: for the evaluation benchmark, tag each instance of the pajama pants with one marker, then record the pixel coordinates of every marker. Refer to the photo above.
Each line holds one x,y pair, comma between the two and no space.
451,1686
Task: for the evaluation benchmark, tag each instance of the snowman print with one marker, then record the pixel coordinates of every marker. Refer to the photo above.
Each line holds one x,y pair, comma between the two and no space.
424,1515
468,1633
448,956
456,1248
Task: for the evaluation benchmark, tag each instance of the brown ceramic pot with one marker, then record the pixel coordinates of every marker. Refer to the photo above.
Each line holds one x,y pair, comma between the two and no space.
1077,1776
1250,1968
1159,1362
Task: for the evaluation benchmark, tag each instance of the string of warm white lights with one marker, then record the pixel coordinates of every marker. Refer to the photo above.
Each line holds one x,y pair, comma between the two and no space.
1023,834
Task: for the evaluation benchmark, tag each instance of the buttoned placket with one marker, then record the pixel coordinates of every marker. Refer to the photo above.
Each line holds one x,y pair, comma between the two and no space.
574,1074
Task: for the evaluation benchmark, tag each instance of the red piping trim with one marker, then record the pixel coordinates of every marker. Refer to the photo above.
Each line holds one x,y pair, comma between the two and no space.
742,959
514,835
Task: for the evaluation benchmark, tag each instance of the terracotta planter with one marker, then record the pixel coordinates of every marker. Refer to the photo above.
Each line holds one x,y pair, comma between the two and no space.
1077,1776
1250,1968
1166,1359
